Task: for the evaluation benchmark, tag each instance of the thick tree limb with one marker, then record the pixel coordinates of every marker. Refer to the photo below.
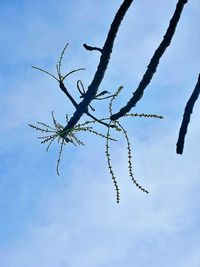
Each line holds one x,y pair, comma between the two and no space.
186,117
104,60
151,69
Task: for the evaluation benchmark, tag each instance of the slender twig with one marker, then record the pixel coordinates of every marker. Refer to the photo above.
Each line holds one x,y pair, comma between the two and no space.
92,48
64,89
59,156
102,98
110,166
63,78
186,117
151,69
60,61
130,168
97,120
143,115
45,72
82,89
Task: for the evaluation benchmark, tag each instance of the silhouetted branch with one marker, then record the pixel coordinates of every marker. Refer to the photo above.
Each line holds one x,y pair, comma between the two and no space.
186,117
104,60
64,89
151,69
97,120
92,48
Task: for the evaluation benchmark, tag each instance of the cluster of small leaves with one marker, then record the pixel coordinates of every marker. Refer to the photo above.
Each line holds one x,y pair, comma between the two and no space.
58,132
118,127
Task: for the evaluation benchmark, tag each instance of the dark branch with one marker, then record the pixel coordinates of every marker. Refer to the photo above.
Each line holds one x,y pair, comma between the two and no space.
104,60
186,117
97,120
92,48
151,69
64,89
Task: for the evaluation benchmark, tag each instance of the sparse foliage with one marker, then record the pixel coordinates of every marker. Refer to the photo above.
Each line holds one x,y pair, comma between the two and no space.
69,136
68,133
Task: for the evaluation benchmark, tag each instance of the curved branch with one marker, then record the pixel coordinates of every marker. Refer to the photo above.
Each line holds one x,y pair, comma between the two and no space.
151,69
104,60
186,117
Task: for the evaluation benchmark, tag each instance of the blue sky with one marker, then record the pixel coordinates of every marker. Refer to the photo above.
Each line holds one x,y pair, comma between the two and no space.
72,220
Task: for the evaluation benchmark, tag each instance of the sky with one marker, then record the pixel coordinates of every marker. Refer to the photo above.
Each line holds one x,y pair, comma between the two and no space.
73,220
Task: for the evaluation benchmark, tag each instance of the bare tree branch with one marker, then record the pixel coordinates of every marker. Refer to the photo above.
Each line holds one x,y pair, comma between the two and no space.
104,60
186,117
151,69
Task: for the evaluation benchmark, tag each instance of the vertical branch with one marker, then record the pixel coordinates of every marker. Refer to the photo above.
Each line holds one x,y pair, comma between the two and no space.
186,117
104,60
151,69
